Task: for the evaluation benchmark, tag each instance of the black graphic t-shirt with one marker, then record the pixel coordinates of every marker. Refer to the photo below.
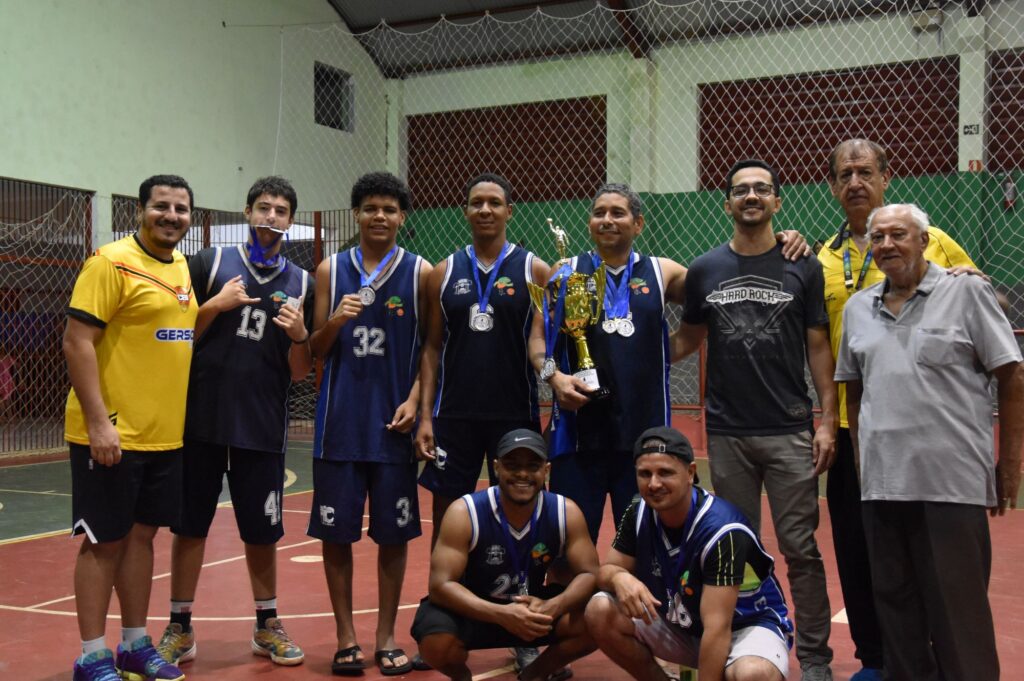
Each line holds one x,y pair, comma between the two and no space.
757,309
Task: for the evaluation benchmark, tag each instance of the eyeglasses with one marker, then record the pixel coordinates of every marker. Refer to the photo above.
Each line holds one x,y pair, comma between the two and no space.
761,189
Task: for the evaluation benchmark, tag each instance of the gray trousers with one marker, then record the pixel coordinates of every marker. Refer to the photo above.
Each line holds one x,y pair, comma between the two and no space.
782,464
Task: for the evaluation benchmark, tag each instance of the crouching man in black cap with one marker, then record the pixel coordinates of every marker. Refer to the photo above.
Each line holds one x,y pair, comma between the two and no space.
488,568
687,579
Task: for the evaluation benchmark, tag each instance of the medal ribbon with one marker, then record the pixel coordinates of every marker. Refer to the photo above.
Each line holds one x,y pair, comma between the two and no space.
551,324
368,279
847,269
483,294
616,298
669,575
520,564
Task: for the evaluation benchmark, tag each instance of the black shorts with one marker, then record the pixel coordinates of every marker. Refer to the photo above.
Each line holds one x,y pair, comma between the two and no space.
144,488
474,634
461,445
256,483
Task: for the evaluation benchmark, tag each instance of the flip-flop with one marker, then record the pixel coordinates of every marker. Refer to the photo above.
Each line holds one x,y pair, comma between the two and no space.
393,670
419,665
352,667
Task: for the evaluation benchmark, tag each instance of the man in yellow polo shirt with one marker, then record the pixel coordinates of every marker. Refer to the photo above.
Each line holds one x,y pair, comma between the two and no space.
128,345
859,175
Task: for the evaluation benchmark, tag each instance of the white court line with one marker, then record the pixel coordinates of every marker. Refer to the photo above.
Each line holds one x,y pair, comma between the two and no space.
841,617
495,672
25,491
195,618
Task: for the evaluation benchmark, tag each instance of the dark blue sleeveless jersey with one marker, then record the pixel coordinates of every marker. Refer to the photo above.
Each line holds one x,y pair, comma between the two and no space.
372,365
239,381
635,368
487,375
490,571
761,601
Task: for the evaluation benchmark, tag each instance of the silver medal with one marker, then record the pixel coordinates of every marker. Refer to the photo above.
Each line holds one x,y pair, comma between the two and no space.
609,325
367,295
524,588
481,321
625,327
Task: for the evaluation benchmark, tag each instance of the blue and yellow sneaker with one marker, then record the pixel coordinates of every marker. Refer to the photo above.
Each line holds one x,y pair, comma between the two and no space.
274,642
177,646
142,662
98,666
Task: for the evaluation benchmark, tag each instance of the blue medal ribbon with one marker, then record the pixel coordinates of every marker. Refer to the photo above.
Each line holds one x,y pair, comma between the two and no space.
551,324
483,294
670,574
616,297
520,564
847,268
368,279
258,255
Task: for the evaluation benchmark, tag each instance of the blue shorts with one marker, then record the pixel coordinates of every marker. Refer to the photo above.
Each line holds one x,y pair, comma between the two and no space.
461,447
256,483
588,478
339,495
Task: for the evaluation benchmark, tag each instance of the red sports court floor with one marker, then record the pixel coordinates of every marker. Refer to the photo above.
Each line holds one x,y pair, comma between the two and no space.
40,636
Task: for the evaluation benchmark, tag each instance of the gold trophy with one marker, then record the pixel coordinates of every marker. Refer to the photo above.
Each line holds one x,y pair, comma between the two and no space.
583,305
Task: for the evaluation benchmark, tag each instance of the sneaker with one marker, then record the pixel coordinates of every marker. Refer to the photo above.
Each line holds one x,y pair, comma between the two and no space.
98,666
867,674
274,642
177,646
816,672
523,657
141,662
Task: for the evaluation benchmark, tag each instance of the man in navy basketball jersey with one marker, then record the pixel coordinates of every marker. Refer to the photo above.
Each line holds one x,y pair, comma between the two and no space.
488,569
763,318
591,456
253,341
476,379
367,328
687,579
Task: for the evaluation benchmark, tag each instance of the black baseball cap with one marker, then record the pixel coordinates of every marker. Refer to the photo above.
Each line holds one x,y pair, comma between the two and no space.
522,438
664,440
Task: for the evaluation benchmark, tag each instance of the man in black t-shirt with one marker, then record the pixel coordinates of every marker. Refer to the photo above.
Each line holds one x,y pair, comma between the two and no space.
761,316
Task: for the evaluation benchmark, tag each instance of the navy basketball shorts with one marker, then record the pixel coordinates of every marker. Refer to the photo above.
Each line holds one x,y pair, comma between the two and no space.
340,489
474,634
461,445
256,484
144,488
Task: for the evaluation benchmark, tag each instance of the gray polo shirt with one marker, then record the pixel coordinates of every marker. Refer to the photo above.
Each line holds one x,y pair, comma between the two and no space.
926,413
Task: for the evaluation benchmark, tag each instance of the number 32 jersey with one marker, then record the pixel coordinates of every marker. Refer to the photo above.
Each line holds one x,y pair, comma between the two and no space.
372,365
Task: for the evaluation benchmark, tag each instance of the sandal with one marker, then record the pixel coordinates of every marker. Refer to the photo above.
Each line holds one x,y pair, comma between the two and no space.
419,664
351,667
393,670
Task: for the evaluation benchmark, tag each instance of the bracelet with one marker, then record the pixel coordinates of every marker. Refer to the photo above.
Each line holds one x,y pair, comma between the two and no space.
304,340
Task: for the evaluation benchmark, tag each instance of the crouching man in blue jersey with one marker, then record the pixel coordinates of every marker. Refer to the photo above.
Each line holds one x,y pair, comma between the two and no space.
488,568
687,579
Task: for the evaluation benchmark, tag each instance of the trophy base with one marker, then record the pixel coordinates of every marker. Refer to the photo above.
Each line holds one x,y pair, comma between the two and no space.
590,378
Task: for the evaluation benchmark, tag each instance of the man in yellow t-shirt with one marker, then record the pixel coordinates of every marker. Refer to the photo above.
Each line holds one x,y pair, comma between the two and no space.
128,345
858,176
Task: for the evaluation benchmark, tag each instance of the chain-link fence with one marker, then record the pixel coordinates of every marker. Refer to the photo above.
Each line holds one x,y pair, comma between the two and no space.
45,234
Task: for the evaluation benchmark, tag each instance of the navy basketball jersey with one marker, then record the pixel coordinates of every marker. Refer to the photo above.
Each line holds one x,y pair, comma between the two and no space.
238,386
372,365
491,571
487,374
635,368
760,602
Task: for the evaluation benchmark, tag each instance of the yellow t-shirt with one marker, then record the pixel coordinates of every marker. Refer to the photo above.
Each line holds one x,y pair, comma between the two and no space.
148,314
941,250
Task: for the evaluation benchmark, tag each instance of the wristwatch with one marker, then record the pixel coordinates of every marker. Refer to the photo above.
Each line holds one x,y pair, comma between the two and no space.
548,369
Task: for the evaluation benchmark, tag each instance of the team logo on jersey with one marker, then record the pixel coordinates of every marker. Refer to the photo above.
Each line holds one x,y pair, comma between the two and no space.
751,309
279,299
174,335
184,297
639,286
394,306
462,287
495,554
505,287
540,553
683,583
326,516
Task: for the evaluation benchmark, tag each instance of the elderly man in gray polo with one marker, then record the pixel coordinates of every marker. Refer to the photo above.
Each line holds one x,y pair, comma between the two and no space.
917,354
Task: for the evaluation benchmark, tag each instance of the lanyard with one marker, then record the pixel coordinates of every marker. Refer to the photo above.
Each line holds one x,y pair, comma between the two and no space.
484,293
847,270
616,298
668,575
551,325
367,279
520,564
